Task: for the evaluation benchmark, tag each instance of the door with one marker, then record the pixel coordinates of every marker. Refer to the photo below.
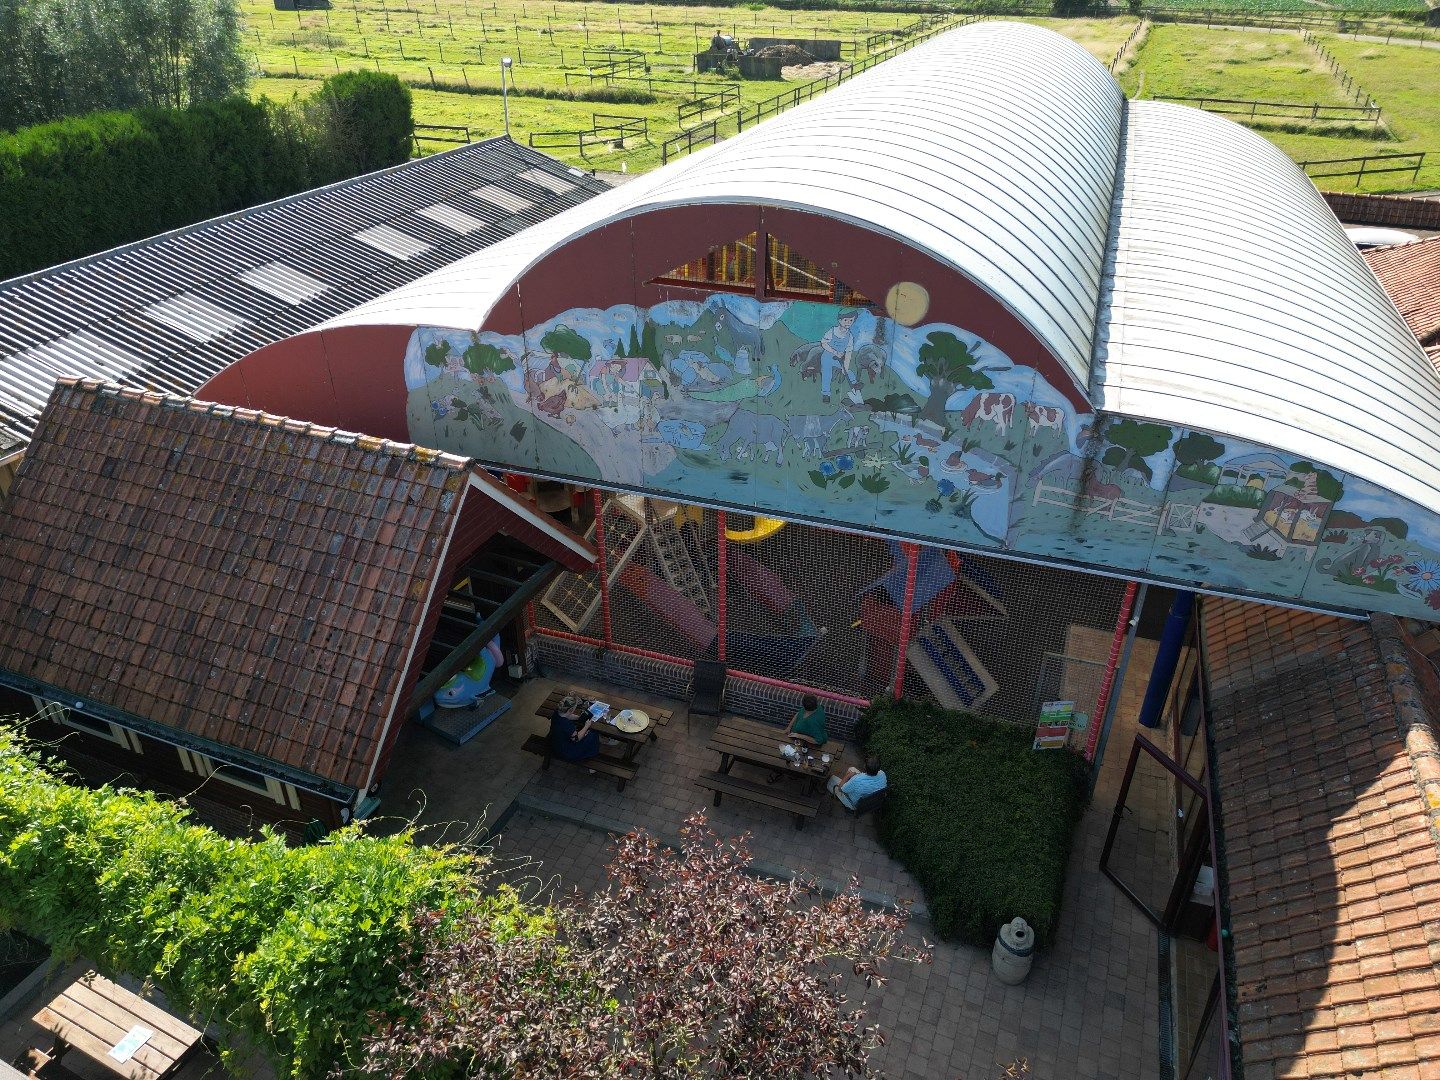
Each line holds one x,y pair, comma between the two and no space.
1159,835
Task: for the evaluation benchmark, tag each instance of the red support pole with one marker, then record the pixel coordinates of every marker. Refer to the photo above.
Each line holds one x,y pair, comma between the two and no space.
604,567
722,577
912,560
1107,684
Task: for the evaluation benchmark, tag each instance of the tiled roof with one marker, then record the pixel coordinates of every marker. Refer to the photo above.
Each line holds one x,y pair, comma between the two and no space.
249,581
1410,274
1333,873
170,312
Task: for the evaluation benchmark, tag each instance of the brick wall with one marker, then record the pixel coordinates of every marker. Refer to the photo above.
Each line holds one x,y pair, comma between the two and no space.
1399,211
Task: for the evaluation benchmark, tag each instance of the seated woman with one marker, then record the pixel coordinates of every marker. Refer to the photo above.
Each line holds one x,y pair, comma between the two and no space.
570,736
855,785
808,725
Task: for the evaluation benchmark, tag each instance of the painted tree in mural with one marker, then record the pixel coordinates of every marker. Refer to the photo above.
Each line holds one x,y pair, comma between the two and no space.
1196,454
1132,441
566,342
1327,485
436,353
949,365
481,357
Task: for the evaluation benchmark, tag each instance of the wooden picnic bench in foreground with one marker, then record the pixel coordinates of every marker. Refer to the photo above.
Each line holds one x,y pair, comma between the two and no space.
617,763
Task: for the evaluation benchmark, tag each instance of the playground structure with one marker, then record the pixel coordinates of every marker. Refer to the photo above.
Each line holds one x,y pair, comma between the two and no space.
807,608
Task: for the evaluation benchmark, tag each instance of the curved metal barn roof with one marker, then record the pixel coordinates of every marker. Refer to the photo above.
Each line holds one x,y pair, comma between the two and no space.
1235,302
992,148
1180,266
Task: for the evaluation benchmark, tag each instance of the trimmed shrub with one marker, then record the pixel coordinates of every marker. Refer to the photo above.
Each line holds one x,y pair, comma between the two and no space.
367,119
83,185
289,948
983,822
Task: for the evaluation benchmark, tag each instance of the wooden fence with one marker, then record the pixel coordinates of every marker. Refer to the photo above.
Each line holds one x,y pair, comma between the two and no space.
1369,165
1287,110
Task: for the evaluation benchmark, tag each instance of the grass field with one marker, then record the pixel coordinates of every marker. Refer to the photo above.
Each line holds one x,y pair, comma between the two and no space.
441,47
450,52
1193,61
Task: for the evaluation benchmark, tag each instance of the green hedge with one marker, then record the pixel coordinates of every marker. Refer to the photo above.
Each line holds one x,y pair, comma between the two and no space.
78,186
289,948
983,822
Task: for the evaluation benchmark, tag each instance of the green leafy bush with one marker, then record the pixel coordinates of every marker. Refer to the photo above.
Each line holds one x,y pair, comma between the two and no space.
292,949
368,118
982,821
78,186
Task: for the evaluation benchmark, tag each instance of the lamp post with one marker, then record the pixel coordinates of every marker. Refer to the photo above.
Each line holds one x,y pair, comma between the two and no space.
505,92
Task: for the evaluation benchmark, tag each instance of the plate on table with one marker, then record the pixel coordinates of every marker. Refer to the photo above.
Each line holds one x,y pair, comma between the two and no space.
632,721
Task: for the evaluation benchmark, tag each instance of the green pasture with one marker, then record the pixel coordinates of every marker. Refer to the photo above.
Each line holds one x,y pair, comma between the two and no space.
1185,60
450,52
1102,37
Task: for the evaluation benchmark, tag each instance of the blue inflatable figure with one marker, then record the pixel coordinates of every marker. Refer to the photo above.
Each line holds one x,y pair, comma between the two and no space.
472,682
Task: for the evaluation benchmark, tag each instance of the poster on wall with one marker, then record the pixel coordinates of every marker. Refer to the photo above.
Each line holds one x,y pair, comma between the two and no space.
1052,732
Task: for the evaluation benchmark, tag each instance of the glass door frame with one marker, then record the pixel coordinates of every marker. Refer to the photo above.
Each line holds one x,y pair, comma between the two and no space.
1190,858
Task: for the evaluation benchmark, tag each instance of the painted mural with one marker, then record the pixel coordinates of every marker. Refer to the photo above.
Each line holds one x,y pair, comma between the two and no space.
844,414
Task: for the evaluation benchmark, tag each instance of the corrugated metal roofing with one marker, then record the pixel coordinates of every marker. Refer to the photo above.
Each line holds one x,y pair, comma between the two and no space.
270,272
1180,266
1237,304
993,148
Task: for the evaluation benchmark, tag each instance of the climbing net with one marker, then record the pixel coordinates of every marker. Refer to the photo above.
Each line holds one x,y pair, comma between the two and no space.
807,607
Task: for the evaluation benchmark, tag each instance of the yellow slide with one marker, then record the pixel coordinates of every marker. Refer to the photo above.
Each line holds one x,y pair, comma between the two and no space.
759,530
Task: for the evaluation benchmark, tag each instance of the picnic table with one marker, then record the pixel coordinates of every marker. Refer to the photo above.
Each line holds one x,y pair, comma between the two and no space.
753,742
619,765
119,1030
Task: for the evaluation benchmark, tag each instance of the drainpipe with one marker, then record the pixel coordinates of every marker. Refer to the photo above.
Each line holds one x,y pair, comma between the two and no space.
1166,658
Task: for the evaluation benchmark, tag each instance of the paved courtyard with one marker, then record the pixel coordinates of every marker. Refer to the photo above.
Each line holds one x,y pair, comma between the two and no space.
1088,1010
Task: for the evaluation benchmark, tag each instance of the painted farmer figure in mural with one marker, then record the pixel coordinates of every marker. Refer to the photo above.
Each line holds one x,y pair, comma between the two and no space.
837,348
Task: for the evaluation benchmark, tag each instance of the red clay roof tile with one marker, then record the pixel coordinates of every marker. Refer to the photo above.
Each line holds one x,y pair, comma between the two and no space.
1342,976
149,560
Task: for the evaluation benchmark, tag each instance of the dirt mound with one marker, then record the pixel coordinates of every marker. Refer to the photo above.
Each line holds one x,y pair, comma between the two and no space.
786,54
818,70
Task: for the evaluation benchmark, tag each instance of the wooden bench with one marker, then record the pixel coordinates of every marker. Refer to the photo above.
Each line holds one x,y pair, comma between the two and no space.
38,1065
623,771
801,805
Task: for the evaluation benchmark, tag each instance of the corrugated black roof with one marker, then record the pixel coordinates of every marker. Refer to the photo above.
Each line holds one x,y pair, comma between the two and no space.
170,312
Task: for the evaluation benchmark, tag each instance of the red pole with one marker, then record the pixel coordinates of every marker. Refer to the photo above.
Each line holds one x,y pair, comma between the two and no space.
722,578
912,560
604,568
1107,684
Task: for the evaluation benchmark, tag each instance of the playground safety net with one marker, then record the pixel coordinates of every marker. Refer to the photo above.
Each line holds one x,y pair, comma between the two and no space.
812,608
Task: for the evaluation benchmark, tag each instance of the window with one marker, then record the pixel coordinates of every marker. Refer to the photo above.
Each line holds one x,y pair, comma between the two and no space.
788,274
730,268
90,725
240,777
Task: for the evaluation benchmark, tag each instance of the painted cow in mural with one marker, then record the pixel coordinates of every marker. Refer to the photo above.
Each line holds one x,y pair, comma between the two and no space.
1044,416
747,429
813,432
997,408
868,359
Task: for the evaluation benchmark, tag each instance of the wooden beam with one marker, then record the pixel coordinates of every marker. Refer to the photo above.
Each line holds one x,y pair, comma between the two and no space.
470,648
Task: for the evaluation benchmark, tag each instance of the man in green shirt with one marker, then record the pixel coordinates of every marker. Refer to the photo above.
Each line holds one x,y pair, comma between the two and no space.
809,723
